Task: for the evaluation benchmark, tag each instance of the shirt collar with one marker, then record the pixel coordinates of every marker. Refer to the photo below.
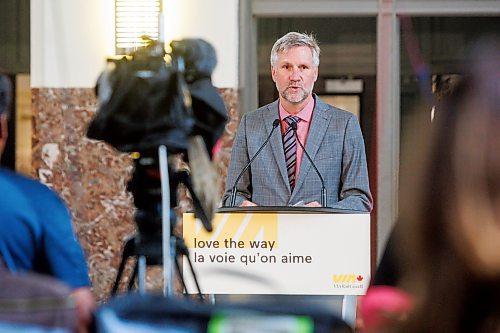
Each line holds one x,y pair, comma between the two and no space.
305,114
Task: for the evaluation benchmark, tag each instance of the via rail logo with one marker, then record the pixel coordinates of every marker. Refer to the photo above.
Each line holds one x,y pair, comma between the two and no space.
348,281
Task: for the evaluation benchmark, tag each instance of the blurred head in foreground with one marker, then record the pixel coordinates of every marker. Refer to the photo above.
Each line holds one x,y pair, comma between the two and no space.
451,214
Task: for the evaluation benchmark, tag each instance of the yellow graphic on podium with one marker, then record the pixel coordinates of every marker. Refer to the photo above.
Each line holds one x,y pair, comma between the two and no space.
243,230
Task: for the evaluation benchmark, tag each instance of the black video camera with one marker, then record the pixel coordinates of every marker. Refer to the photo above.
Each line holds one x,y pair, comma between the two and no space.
145,102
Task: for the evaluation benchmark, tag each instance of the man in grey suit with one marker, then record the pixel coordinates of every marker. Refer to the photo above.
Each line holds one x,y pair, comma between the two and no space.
282,175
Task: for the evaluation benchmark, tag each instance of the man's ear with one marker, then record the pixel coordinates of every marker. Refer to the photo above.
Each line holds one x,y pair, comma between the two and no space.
273,73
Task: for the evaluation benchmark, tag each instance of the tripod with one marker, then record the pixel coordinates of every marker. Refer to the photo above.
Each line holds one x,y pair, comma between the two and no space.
147,246
149,252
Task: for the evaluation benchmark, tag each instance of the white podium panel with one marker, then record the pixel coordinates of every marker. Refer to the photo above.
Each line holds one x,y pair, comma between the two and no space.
280,253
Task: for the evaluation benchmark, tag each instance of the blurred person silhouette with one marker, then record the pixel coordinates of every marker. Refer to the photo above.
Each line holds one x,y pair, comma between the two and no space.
442,265
384,303
388,272
451,216
36,233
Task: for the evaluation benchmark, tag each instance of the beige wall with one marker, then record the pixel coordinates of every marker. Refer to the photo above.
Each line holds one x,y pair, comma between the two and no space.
70,40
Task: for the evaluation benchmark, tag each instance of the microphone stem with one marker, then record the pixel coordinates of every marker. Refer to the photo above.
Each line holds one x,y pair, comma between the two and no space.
323,189
232,202
323,196
233,190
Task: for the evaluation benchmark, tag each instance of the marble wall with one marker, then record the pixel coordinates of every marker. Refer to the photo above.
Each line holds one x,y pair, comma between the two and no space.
91,176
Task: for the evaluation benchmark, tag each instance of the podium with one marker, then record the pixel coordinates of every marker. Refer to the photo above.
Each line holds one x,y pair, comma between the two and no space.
281,251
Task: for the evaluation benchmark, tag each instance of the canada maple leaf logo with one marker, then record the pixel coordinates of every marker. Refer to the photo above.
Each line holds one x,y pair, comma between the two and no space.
359,278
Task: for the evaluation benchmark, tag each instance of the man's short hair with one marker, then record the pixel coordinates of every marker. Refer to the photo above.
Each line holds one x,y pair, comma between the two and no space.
5,94
295,39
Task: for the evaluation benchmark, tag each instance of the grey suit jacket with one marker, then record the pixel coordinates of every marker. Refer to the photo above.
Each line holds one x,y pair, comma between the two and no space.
335,144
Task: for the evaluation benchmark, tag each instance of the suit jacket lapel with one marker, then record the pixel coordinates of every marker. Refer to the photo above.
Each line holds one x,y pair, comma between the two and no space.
317,130
276,141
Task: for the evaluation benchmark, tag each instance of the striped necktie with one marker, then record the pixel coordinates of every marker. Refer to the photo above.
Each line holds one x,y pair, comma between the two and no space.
290,147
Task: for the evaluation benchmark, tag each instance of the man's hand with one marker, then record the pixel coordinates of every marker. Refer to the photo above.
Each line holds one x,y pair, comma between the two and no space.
313,204
247,203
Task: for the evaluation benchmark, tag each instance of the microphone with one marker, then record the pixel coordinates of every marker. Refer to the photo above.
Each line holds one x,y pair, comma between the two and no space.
232,202
293,125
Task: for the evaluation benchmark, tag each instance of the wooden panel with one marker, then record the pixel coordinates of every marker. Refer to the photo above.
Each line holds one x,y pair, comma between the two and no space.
23,124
